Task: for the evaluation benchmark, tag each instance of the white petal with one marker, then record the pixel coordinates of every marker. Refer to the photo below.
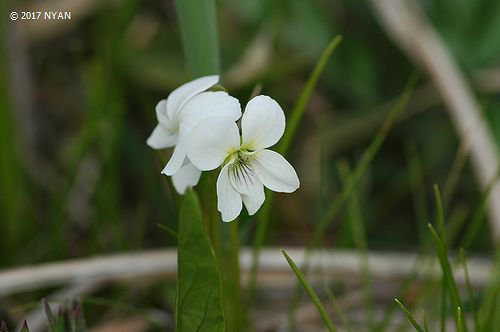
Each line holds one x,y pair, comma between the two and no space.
161,114
182,94
212,141
187,176
246,182
275,171
253,203
177,159
228,200
161,139
209,104
263,123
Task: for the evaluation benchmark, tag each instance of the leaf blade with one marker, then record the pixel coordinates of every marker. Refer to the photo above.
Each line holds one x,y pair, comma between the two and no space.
199,300
197,21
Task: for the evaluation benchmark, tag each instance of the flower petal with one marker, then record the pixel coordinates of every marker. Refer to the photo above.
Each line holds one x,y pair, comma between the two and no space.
187,176
209,104
211,142
253,203
177,159
182,94
161,139
275,171
228,200
246,182
263,123
161,114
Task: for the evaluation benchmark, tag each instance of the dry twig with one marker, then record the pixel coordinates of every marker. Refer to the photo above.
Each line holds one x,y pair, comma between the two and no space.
274,270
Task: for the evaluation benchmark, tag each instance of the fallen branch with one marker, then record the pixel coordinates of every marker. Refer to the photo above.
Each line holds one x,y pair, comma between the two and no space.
273,270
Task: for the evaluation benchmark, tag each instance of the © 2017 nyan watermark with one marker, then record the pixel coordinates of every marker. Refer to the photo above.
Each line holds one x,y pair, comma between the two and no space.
41,15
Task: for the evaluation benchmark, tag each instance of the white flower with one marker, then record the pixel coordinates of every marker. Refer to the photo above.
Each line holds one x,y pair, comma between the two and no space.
247,164
184,108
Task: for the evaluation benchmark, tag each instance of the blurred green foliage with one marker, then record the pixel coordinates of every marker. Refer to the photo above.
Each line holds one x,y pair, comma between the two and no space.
87,184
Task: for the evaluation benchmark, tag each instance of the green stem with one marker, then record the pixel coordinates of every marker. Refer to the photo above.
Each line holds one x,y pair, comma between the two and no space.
235,275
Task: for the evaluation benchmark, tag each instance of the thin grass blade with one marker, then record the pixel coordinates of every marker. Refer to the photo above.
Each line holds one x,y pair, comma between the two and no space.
475,316
338,310
293,123
410,317
310,291
450,283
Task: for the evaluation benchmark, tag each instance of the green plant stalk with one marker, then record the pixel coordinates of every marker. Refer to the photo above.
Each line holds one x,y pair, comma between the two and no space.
424,318
440,213
460,322
451,285
468,285
338,309
410,317
310,291
443,305
293,123
363,164
198,25
416,176
359,237
491,303
235,276
299,109
479,214
353,181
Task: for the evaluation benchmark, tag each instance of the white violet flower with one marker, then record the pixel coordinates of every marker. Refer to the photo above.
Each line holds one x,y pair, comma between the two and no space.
177,115
248,165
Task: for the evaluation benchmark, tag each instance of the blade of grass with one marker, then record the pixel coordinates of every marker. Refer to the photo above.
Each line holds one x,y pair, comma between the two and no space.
443,305
359,237
297,112
426,325
168,230
338,310
353,181
197,21
488,310
410,317
450,283
363,164
310,291
479,214
299,109
475,316
460,322
416,176
440,213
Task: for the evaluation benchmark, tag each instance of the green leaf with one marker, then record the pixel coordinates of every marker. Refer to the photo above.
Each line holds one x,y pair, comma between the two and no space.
199,300
310,291
198,26
410,317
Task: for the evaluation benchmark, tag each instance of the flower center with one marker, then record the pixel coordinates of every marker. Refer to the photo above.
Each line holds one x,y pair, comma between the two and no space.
240,169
